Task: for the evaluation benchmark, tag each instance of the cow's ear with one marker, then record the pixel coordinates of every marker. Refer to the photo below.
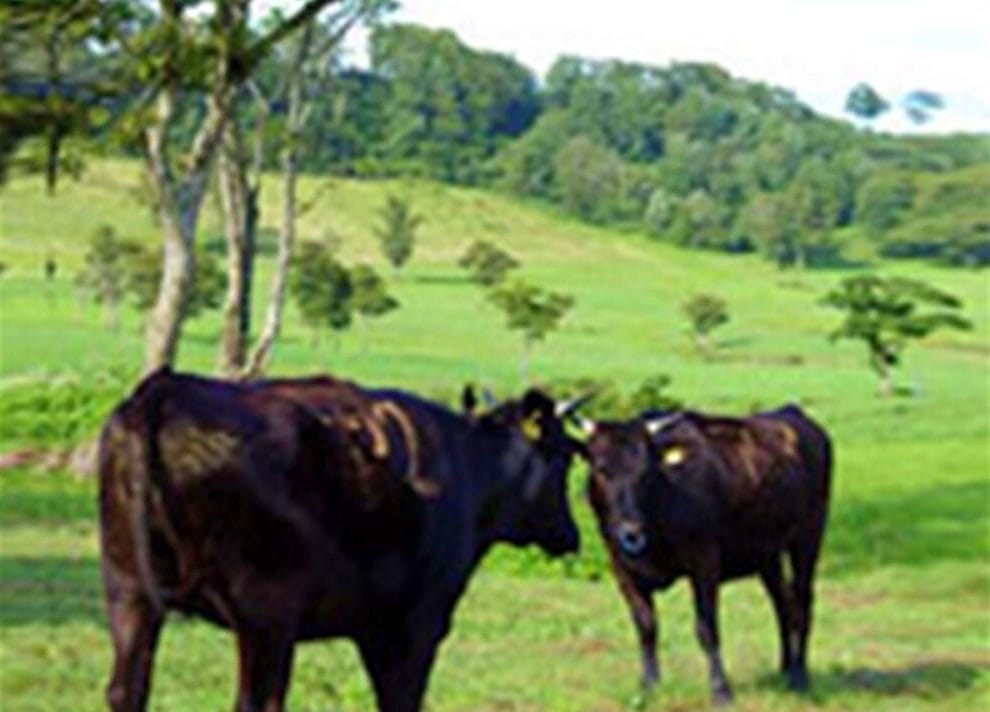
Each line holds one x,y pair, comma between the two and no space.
469,400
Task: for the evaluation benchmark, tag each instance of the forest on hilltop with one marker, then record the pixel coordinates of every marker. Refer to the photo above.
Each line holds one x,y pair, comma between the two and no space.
687,152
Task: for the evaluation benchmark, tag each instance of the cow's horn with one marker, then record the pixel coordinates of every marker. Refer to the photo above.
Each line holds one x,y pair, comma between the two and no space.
569,407
654,426
488,398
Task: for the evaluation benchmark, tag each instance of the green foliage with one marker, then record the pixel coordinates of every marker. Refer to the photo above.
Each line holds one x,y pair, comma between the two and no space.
532,311
322,288
888,313
370,297
529,309
864,102
103,274
448,107
705,313
142,270
588,179
58,411
397,230
487,262
883,200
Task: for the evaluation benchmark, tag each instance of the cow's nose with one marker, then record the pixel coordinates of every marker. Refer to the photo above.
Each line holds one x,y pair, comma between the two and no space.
631,538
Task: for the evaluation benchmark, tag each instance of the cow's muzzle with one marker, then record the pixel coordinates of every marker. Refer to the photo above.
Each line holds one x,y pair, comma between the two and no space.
631,538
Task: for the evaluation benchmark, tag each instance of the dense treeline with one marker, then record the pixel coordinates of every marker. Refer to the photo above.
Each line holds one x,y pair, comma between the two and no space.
687,152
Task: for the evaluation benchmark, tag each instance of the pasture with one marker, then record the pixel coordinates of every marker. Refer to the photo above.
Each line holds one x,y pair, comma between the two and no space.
903,609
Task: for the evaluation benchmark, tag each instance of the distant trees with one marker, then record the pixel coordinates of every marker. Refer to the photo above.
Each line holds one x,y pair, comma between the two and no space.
369,294
886,314
322,289
705,313
397,230
532,311
103,275
487,263
864,102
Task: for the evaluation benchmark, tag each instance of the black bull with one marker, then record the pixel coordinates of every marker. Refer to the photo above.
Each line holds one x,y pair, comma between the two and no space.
713,499
300,509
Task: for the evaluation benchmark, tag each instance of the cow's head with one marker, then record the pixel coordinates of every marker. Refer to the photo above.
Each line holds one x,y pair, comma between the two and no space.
536,457
629,462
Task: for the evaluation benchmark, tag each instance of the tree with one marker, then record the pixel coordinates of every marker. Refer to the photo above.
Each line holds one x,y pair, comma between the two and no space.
487,262
883,200
322,289
588,179
397,230
370,297
887,314
103,275
705,312
532,311
920,104
302,70
864,102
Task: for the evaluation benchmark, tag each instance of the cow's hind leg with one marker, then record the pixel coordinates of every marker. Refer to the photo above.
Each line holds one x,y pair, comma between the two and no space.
804,557
265,666
772,575
134,627
399,673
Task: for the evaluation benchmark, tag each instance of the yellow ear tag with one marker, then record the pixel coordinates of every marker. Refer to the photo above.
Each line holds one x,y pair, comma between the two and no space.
531,428
674,455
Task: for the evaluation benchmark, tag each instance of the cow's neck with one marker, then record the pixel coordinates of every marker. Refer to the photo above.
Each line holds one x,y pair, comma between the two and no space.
498,464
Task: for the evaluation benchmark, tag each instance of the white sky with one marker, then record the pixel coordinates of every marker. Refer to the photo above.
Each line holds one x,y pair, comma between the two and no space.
818,48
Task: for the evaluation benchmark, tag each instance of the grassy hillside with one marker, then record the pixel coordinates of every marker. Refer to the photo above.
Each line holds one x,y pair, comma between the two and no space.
902,619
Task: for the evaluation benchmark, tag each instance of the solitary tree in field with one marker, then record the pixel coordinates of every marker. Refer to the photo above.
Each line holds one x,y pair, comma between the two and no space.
397,230
487,262
705,312
370,297
322,289
532,311
887,314
864,102
103,275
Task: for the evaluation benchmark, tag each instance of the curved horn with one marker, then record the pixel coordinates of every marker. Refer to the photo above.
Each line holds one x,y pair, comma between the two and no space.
654,426
569,407
587,425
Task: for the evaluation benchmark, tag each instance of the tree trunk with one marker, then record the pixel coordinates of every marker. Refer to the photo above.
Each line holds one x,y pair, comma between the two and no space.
258,362
178,263
524,361
886,382
239,201
295,121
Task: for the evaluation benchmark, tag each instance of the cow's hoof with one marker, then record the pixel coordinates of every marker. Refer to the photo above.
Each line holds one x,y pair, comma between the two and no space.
722,697
798,680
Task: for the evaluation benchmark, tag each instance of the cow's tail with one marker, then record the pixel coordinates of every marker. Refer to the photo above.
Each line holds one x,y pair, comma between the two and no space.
142,421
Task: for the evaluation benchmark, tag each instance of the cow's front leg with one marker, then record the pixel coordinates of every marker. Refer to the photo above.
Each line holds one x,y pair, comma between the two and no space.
265,665
640,600
704,584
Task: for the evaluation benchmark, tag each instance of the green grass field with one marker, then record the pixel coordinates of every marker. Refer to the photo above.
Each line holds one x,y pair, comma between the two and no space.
903,617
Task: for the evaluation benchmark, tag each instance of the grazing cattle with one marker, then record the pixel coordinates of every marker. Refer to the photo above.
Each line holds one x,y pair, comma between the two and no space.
290,510
713,499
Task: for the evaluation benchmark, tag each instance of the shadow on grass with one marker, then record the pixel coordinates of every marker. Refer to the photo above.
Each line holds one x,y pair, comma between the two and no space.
921,527
30,497
927,680
49,591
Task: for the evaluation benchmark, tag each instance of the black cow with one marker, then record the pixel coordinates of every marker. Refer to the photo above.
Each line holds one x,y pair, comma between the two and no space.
299,509
713,499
